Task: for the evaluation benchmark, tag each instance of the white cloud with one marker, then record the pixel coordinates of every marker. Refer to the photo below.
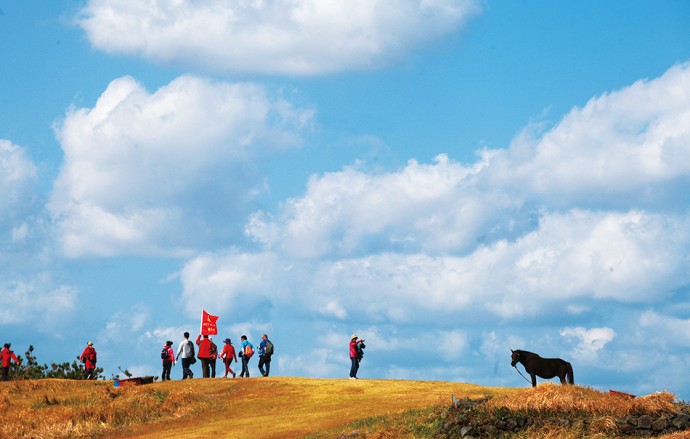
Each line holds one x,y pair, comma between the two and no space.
157,173
297,37
571,258
434,207
589,341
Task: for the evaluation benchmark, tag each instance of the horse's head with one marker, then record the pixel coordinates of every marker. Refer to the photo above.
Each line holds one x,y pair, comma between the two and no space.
514,357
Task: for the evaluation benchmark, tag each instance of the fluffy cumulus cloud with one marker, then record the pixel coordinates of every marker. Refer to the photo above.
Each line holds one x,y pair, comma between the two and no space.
299,37
558,227
137,163
569,260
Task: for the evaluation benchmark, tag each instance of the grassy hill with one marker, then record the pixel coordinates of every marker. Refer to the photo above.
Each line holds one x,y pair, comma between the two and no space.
320,408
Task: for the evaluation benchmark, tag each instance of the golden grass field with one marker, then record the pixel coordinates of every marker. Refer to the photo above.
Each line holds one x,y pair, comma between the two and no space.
275,407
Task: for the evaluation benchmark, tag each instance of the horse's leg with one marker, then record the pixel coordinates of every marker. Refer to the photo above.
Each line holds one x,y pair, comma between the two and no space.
534,379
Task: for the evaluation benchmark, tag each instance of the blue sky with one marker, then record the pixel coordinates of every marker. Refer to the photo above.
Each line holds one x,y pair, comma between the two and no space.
448,179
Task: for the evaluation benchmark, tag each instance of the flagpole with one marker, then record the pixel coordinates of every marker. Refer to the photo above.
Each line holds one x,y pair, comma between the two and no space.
201,324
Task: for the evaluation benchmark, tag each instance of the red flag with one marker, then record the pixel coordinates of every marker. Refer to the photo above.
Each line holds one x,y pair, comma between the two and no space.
208,323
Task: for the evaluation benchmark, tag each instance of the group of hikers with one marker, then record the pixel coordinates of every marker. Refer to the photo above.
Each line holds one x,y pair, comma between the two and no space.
208,354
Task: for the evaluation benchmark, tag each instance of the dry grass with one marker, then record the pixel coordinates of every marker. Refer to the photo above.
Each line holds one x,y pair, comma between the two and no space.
549,397
601,409
257,407
290,407
66,409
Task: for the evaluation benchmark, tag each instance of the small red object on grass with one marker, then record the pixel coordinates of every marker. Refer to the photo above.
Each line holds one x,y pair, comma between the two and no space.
138,381
623,394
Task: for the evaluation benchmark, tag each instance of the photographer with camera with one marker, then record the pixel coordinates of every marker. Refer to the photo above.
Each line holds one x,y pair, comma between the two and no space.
356,354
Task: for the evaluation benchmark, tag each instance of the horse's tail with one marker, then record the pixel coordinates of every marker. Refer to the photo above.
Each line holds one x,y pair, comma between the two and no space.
569,373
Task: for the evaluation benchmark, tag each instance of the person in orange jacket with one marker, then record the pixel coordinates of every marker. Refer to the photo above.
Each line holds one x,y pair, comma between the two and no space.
204,354
227,355
7,356
88,357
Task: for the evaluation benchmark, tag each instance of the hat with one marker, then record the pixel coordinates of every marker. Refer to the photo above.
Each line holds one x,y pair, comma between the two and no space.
169,343
90,343
228,341
353,336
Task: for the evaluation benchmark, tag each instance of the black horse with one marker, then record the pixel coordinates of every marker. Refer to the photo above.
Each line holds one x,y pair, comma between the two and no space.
543,367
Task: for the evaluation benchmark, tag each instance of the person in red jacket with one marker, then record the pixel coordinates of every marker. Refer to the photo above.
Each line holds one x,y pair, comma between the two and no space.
7,356
204,354
88,357
168,361
227,356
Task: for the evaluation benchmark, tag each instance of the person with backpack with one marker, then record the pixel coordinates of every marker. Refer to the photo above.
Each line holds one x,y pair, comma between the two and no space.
246,354
227,356
89,358
356,355
204,354
7,356
168,357
186,350
214,356
265,353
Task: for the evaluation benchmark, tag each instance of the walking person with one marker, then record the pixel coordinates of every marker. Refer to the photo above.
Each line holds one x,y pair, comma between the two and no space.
186,350
204,354
246,354
7,356
214,356
227,355
356,355
265,354
89,357
168,357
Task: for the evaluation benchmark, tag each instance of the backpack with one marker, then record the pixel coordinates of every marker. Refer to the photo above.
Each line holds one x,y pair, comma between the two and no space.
213,350
164,354
268,350
248,351
360,351
92,355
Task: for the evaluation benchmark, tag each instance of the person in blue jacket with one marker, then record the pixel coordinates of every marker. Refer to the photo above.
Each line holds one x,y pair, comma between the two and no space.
265,354
246,353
